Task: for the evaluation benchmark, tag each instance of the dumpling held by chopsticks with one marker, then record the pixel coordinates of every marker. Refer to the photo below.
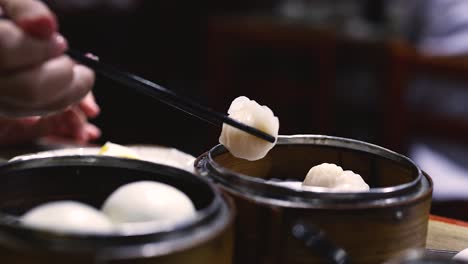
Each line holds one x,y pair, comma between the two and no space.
242,144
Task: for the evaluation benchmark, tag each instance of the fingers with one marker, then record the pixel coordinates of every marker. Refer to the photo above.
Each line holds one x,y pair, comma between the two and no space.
89,106
35,77
30,37
32,16
25,9
81,85
31,87
92,132
49,87
77,121
65,94
19,50
68,125
73,124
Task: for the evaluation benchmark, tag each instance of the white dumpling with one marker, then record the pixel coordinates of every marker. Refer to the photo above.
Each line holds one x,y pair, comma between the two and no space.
462,255
350,181
69,217
146,201
331,176
242,144
323,175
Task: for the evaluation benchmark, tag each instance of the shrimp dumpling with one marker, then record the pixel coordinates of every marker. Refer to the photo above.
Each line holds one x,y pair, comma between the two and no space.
332,176
146,201
350,181
242,144
323,175
69,217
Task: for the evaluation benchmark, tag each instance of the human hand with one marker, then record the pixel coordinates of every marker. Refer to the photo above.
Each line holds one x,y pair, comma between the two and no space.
67,125
36,78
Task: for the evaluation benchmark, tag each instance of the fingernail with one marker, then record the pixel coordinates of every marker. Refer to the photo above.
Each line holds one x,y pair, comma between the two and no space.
89,106
41,27
94,132
58,45
96,108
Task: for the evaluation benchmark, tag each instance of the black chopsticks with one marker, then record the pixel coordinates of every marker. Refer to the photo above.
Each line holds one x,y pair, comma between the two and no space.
164,95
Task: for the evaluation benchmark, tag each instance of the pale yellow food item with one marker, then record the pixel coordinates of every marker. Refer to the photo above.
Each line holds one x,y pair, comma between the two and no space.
68,217
115,150
242,144
145,201
331,176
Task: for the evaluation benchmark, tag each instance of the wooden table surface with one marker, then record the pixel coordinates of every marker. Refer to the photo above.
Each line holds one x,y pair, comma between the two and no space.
447,234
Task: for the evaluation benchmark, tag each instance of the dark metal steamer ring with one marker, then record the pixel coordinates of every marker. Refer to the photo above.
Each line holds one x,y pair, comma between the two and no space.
262,191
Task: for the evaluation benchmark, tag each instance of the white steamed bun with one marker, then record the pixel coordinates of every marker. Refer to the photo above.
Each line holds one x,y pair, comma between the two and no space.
68,216
242,144
145,201
331,176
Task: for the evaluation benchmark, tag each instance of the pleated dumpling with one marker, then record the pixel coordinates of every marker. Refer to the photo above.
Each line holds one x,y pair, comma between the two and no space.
332,176
242,144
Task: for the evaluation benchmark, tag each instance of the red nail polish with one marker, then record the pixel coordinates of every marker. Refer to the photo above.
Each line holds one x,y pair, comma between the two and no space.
41,27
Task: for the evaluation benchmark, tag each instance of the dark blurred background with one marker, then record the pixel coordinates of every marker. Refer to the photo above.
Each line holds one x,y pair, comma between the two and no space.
391,73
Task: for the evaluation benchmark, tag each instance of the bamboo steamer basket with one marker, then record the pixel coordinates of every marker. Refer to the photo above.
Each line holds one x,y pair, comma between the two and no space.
368,227
90,179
